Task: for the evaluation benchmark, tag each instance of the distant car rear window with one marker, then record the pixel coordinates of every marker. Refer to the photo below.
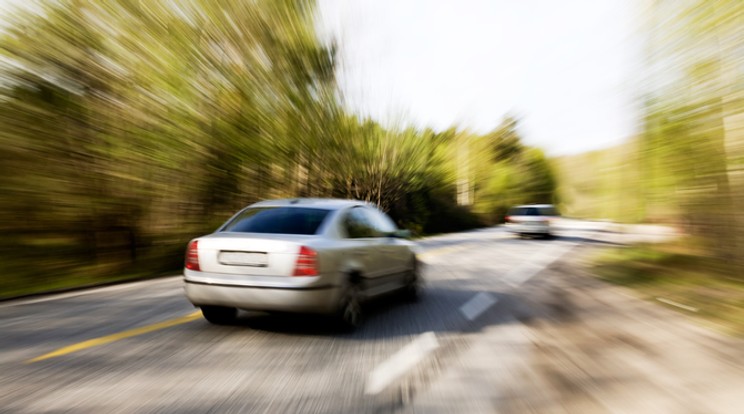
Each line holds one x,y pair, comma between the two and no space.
514,212
533,211
548,211
277,220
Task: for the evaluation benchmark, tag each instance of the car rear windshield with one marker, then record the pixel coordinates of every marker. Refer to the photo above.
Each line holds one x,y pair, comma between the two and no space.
533,211
277,220
548,211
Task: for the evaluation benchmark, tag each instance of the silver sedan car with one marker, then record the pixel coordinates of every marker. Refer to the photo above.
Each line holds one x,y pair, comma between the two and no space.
300,255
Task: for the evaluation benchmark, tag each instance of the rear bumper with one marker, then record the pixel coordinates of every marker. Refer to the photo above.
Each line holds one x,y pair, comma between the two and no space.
528,228
310,299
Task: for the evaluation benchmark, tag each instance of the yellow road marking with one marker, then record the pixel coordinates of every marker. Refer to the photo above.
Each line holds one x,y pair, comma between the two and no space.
117,336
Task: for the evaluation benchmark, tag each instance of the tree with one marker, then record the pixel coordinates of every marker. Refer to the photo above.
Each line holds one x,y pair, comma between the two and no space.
691,148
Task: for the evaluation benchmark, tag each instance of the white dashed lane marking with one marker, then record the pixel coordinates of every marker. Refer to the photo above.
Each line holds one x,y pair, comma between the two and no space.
401,362
539,261
677,304
477,305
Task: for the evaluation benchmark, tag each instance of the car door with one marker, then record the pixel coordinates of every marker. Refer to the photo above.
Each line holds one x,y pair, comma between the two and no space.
393,254
362,241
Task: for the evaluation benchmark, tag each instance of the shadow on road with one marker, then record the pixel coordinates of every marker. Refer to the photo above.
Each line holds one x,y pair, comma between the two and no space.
437,311
587,240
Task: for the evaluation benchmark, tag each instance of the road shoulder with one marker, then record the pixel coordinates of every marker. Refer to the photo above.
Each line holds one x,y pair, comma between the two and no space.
576,344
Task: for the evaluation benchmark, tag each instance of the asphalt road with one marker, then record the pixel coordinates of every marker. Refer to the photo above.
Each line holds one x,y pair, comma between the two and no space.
142,347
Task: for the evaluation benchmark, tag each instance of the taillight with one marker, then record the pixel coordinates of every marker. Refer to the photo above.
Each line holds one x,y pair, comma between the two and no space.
192,256
307,262
507,219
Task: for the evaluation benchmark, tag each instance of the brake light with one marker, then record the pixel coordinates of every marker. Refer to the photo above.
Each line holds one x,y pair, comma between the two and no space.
507,219
307,262
192,256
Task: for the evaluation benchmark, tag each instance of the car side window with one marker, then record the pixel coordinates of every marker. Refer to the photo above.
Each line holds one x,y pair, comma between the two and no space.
382,223
358,224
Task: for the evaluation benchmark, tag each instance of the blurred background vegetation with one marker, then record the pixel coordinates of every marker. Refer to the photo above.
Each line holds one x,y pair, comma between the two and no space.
129,127
685,167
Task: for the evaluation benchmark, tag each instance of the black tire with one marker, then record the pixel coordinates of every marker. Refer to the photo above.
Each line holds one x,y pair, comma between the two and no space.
349,315
414,287
219,315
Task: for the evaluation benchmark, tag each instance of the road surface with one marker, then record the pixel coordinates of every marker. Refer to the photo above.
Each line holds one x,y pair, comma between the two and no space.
506,325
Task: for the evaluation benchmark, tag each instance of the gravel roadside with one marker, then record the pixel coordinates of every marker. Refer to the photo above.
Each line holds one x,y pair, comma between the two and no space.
575,344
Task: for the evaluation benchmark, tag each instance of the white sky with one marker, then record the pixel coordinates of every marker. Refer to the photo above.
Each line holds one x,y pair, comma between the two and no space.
565,67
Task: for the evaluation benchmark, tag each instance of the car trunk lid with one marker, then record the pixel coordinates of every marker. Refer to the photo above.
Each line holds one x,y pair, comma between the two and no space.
250,253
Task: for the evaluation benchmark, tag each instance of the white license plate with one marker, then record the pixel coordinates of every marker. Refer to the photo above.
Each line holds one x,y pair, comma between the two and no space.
244,259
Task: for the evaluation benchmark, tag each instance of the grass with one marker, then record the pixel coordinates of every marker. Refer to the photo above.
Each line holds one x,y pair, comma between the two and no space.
679,273
26,274
74,281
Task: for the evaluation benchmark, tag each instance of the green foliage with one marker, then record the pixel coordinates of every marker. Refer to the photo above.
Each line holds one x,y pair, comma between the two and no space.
130,127
602,184
505,140
691,149
684,168
526,178
680,274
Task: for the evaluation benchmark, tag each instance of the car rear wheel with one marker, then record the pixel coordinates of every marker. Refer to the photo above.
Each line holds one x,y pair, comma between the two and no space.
219,315
414,285
349,314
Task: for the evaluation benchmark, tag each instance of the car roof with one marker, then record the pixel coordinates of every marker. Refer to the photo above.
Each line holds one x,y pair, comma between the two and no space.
324,203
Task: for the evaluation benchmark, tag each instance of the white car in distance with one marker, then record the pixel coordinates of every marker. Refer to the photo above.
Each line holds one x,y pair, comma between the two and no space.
532,220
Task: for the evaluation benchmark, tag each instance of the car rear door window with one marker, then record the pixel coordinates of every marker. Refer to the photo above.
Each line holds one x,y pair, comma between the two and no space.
277,220
358,224
381,222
